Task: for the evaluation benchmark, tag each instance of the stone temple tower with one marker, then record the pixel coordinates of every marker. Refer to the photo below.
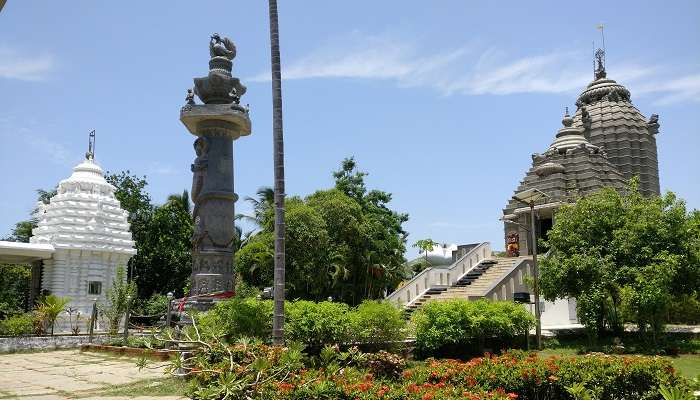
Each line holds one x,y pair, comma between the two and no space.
216,124
606,143
612,122
570,168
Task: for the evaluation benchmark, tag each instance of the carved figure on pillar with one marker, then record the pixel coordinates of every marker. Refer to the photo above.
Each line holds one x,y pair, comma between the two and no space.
216,124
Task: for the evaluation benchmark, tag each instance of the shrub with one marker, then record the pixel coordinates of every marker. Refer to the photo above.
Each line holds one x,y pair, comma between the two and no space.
376,321
264,372
21,324
458,326
157,304
385,365
238,317
117,299
49,308
317,324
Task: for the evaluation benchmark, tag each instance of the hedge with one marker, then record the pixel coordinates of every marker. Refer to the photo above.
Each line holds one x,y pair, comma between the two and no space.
461,327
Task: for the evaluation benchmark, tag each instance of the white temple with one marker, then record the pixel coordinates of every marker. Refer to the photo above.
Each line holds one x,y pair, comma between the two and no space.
81,238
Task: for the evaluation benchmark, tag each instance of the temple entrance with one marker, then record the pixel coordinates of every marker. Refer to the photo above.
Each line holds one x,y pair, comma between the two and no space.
544,225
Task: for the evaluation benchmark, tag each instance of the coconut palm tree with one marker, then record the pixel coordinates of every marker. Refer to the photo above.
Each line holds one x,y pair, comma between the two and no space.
183,200
278,150
265,200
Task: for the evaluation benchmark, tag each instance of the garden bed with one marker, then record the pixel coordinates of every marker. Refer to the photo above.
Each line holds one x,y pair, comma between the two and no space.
152,354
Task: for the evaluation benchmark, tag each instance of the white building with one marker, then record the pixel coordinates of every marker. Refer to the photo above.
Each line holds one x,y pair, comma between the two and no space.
81,238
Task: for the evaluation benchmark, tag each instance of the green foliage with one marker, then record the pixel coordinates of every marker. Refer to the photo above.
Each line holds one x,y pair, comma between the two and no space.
254,261
20,324
425,245
685,310
254,371
14,279
23,229
579,392
117,299
622,255
49,308
460,325
162,234
157,304
675,393
311,324
131,193
376,321
14,288
317,324
164,261
245,290
343,243
239,317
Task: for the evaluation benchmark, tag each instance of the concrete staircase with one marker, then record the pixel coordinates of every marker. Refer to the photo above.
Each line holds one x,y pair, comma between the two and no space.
474,284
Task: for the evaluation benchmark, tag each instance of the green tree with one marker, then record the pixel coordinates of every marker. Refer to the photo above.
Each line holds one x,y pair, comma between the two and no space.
130,191
162,235
340,246
378,260
117,298
14,279
183,200
23,229
164,259
261,205
14,289
255,261
424,245
612,250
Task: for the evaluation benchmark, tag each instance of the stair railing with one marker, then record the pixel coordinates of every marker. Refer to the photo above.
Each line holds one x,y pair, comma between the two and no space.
436,277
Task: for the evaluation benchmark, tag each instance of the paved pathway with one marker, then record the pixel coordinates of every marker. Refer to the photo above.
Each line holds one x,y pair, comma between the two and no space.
68,374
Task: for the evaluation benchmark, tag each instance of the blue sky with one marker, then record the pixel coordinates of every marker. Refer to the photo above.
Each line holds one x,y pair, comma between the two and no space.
441,102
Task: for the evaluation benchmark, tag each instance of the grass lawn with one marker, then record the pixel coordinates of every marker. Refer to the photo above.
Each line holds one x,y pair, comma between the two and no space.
686,364
151,388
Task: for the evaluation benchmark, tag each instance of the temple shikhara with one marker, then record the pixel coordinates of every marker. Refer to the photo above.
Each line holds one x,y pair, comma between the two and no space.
605,143
81,238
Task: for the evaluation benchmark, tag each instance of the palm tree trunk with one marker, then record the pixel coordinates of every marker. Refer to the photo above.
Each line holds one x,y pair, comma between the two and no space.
278,316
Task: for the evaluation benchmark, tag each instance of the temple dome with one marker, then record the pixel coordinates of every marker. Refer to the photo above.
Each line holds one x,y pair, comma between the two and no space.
610,121
569,136
87,171
84,214
602,88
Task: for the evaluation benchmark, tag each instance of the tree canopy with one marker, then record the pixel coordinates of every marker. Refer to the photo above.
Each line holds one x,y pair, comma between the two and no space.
616,252
162,235
342,242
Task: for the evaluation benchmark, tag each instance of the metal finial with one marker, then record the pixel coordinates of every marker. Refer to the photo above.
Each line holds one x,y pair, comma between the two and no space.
566,111
90,155
599,69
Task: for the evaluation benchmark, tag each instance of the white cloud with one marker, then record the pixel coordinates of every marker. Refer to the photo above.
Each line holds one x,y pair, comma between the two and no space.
365,57
464,71
31,67
685,88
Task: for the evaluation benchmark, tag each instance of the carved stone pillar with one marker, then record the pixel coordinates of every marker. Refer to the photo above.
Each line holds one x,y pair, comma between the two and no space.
216,124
